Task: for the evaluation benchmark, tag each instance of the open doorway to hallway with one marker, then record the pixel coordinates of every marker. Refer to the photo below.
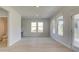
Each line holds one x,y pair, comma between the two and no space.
3,28
3,31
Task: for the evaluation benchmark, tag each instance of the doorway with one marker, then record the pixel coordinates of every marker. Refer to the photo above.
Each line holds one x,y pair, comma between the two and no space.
75,32
3,31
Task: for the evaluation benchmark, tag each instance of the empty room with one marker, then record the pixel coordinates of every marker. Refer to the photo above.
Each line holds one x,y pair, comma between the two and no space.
39,28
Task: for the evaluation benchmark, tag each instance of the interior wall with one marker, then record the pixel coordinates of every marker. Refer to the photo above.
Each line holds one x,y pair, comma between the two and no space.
14,26
3,13
67,13
26,27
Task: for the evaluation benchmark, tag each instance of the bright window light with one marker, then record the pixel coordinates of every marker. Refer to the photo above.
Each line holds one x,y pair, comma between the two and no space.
54,26
40,26
33,27
60,25
76,30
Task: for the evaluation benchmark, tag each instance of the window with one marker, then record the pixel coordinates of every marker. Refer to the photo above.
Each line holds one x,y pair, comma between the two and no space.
36,26
40,26
75,28
54,26
60,25
33,27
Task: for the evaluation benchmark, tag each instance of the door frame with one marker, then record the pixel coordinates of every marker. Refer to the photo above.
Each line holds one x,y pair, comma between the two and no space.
72,32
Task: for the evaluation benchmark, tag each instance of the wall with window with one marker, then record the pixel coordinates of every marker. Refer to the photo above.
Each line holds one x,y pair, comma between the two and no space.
35,27
66,39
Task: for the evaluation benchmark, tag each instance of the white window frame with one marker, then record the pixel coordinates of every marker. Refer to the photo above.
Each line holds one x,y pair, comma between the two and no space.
75,29
32,26
60,18
40,25
54,23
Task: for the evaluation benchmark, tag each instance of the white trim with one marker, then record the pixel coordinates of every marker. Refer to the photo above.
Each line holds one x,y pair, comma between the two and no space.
62,43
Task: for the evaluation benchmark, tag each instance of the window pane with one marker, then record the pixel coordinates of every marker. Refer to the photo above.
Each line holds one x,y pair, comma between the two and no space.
60,25
60,28
33,27
76,31
40,26
54,26
40,29
33,24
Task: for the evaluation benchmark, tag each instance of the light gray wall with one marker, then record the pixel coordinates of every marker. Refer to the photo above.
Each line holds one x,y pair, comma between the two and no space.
14,26
67,40
3,13
26,27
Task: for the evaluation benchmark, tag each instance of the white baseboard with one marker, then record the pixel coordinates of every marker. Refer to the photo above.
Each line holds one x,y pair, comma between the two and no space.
10,44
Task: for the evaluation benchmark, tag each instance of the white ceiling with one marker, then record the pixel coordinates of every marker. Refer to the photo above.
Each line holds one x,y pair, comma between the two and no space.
38,12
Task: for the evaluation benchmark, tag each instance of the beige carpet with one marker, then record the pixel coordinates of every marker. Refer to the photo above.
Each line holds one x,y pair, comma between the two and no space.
31,44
